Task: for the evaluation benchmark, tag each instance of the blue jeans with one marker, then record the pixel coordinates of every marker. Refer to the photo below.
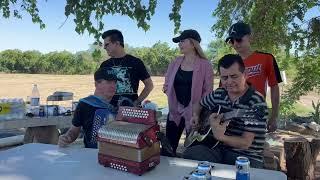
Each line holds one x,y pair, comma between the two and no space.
220,154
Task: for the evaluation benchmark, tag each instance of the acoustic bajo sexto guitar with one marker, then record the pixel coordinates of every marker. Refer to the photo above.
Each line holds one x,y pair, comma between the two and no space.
203,135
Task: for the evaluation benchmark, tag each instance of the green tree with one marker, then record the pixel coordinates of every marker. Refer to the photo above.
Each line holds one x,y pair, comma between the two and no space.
27,64
88,15
275,23
162,56
8,59
58,62
216,50
98,53
277,26
83,64
157,57
306,80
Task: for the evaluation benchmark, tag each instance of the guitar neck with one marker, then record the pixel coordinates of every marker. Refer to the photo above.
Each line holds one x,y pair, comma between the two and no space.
231,114
226,116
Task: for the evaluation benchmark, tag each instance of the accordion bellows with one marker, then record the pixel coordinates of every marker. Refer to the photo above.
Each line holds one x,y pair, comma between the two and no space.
129,143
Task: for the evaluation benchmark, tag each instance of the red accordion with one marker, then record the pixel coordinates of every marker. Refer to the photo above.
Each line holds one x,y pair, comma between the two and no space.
130,143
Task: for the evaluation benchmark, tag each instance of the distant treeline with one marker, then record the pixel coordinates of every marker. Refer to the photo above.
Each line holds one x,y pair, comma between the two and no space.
156,59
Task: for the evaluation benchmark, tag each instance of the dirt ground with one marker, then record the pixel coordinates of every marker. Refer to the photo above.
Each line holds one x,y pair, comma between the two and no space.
20,86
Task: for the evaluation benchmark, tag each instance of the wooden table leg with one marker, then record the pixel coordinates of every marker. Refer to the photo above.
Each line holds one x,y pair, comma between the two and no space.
42,134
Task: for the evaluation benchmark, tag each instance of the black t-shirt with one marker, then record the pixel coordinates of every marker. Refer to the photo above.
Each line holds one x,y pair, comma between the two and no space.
85,116
182,86
130,70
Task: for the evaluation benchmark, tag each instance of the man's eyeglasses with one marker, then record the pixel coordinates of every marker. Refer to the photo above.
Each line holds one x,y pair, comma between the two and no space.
232,40
106,45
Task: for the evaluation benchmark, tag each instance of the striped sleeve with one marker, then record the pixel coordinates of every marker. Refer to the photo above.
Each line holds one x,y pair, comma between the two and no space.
258,125
208,101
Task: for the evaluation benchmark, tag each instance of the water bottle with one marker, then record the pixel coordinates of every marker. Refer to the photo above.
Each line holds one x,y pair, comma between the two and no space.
35,96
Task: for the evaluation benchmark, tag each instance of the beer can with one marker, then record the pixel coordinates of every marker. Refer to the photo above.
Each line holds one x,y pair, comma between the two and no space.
205,166
186,178
243,168
198,174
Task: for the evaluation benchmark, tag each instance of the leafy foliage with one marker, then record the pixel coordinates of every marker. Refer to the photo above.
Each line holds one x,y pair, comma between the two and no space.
274,23
216,50
16,7
88,14
16,61
280,26
157,57
175,15
308,79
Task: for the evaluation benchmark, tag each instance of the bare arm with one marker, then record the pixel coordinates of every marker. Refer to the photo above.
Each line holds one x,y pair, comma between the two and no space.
148,86
275,100
219,129
196,109
241,142
70,136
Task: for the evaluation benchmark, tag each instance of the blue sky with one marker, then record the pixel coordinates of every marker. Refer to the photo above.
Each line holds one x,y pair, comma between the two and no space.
24,35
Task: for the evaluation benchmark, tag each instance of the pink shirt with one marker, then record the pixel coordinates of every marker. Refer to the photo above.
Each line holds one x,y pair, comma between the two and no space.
202,84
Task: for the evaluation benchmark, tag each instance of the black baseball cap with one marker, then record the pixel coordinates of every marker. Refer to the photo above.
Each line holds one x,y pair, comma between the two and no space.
189,33
106,74
238,30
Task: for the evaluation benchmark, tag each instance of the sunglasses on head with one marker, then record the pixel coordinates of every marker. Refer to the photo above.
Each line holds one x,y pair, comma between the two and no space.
232,40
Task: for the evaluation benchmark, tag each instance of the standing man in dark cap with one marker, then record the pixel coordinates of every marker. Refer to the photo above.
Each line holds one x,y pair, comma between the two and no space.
262,68
128,68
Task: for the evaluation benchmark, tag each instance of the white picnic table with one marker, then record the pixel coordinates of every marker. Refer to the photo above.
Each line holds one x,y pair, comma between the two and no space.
45,161
59,121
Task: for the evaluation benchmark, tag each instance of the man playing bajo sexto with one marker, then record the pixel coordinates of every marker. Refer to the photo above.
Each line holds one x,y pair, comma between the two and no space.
239,136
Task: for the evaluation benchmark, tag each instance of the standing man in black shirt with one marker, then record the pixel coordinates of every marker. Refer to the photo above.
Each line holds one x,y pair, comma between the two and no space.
126,67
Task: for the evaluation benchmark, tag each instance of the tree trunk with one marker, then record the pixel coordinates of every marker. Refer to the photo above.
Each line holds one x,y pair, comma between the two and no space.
301,156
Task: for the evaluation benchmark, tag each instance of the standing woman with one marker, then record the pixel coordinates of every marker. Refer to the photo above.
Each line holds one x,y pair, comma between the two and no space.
188,79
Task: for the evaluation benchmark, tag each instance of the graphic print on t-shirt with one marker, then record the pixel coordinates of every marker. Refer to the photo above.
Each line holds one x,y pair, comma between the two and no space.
254,70
123,86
